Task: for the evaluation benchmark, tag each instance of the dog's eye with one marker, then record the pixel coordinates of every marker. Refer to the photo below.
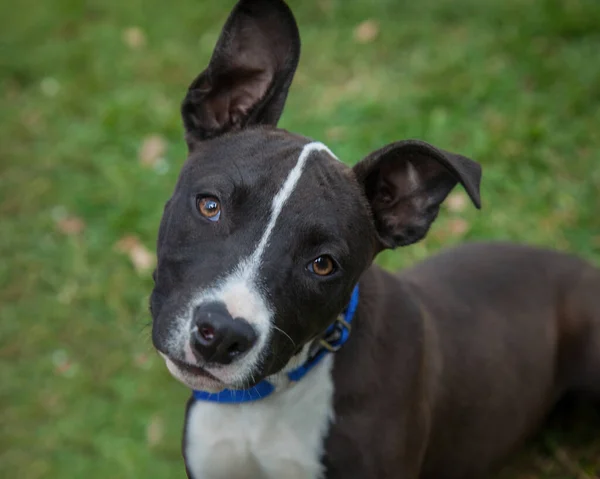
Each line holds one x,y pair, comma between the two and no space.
209,207
322,266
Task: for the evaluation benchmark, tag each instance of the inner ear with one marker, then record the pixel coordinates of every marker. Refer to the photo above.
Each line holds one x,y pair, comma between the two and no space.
247,80
405,197
405,184
422,183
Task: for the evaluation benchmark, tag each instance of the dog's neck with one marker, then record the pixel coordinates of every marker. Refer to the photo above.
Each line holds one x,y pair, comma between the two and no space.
281,436
280,379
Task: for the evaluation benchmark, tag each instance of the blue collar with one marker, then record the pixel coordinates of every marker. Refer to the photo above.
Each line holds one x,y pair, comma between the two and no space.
335,336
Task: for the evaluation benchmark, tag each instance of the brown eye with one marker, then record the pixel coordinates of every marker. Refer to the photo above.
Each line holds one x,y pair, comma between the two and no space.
209,207
322,266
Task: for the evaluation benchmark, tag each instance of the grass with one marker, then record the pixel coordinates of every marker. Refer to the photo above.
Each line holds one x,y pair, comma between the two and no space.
514,84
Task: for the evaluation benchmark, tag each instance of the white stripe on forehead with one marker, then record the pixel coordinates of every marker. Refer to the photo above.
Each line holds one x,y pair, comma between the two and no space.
241,291
284,193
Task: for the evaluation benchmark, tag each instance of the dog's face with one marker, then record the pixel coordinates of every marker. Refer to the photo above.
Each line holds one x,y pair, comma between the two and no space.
267,228
267,232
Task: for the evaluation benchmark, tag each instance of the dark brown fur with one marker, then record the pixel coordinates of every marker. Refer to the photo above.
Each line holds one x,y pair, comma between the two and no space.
454,362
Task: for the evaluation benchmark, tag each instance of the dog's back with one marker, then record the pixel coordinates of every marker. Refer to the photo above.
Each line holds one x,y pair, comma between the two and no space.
517,327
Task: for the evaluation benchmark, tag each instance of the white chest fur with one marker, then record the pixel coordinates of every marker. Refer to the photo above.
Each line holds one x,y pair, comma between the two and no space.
280,436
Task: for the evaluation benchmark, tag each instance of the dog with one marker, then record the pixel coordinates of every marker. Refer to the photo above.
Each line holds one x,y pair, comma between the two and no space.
306,359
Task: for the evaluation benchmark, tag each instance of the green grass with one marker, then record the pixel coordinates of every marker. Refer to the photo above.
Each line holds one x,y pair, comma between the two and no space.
514,84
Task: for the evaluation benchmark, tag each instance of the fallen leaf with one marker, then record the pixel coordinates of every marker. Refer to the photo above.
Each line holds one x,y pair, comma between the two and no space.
12,90
127,243
584,152
64,368
142,361
458,226
50,86
32,120
134,38
155,430
52,402
63,364
141,258
495,122
326,6
570,464
58,212
366,31
70,225
335,133
67,293
456,202
152,150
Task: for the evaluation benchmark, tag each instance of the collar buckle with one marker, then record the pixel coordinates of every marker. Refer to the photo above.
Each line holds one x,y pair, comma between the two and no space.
336,335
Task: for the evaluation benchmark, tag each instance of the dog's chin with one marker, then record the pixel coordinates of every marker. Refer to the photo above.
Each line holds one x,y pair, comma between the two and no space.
194,377
214,381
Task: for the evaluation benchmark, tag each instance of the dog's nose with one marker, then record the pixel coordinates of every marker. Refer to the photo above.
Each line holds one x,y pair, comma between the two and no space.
219,338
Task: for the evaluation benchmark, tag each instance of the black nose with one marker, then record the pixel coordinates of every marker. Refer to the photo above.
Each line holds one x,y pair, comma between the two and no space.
217,337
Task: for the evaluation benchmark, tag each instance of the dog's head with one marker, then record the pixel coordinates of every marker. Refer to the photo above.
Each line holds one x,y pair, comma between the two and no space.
267,233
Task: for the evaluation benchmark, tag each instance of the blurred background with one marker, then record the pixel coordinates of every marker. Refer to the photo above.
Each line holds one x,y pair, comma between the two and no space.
91,144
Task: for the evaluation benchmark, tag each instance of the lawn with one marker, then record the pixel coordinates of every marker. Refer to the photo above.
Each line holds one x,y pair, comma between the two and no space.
91,144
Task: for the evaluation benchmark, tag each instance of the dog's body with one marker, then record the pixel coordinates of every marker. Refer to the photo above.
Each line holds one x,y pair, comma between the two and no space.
449,365
486,338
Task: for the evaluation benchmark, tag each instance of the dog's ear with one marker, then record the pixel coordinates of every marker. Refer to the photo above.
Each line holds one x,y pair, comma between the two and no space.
405,184
248,77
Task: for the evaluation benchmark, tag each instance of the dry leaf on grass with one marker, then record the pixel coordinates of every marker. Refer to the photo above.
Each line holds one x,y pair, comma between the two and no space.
50,86
70,225
335,133
456,202
141,258
155,430
63,365
152,150
326,6
32,120
458,226
571,466
134,38
142,361
67,293
53,403
447,229
366,31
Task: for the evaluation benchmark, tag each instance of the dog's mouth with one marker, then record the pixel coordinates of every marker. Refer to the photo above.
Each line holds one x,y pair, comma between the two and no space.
193,376
212,378
192,370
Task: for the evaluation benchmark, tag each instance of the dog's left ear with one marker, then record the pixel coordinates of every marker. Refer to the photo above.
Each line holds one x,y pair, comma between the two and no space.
247,80
405,184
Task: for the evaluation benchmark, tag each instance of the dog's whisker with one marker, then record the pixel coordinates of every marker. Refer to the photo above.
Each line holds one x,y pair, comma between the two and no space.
285,334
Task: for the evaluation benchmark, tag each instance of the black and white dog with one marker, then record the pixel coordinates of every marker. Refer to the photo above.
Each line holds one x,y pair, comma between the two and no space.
265,270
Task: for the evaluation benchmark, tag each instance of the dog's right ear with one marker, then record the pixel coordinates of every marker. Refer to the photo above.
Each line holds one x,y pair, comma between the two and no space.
406,182
250,72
